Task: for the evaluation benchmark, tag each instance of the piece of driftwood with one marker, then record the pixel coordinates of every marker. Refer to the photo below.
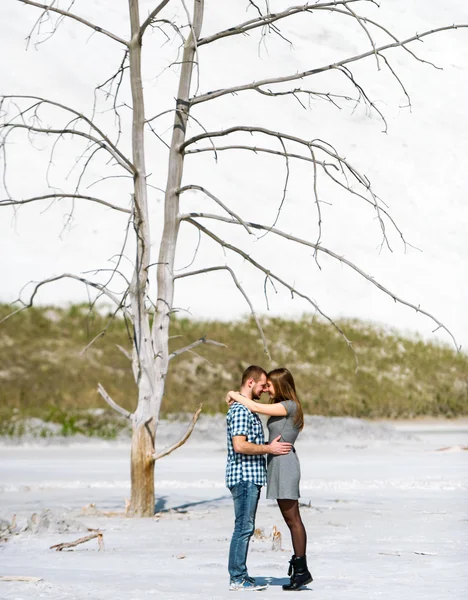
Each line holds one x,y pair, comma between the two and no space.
91,509
20,578
96,534
276,540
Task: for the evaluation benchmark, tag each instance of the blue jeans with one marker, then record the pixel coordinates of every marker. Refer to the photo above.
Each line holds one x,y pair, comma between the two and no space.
245,495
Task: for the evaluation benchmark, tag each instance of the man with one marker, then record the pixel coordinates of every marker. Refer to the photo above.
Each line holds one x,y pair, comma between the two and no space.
246,473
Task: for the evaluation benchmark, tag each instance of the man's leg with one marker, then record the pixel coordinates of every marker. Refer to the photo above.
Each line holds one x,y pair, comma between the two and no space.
245,496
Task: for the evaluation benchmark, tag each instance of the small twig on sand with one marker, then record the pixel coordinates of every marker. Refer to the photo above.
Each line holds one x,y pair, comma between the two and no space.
91,509
96,534
452,448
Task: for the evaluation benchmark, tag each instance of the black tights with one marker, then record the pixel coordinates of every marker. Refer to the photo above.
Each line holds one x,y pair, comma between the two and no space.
292,517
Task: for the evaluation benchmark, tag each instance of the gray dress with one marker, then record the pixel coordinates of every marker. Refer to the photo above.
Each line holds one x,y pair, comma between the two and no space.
284,471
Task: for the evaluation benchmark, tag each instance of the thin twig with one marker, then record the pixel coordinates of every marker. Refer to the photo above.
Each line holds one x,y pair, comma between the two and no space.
65,13
202,340
152,16
9,202
242,291
124,351
217,200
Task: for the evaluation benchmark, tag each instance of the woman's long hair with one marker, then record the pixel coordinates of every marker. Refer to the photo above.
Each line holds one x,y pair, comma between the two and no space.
285,389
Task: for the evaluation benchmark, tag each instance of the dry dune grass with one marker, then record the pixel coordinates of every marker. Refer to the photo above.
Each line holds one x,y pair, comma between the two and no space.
43,374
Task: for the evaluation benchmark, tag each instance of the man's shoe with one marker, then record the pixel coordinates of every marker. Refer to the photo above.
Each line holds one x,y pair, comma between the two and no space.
248,585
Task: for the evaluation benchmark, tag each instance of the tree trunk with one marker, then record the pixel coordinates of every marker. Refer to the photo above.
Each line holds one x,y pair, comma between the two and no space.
144,419
142,471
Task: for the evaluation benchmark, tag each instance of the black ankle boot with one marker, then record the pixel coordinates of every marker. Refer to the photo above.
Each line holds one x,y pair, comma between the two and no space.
300,574
291,565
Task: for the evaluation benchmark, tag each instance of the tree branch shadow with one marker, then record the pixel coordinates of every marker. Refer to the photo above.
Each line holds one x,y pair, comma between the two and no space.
162,507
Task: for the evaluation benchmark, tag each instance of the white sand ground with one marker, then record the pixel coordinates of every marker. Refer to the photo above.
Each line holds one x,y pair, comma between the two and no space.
385,511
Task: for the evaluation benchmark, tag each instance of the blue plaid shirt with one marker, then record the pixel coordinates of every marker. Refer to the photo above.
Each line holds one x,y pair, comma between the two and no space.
244,467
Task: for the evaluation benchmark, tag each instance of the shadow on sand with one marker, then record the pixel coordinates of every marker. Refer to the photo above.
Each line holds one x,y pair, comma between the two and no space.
161,504
278,581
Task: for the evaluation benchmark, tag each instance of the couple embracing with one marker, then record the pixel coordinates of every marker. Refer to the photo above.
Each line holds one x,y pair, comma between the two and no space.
247,471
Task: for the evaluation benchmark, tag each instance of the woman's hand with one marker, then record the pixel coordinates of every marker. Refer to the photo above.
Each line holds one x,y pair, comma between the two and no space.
229,399
233,396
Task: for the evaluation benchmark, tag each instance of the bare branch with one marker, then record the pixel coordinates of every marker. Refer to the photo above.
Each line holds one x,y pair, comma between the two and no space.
116,79
326,167
152,16
65,13
164,112
389,33
327,96
309,144
103,289
102,392
95,339
101,333
319,248
242,291
268,19
251,86
266,271
9,202
12,314
102,143
246,129
285,189
217,200
257,149
317,201
80,116
124,352
183,439
202,340
360,20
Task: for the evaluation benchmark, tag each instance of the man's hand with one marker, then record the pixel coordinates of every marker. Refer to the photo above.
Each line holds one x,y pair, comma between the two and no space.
242,446
276,447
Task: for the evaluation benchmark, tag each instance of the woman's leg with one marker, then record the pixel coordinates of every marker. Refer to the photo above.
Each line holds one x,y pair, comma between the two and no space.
292,517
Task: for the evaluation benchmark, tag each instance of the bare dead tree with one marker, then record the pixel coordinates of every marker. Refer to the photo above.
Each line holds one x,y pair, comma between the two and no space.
149,311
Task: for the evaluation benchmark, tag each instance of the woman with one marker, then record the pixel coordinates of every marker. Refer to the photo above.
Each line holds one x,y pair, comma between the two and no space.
283,475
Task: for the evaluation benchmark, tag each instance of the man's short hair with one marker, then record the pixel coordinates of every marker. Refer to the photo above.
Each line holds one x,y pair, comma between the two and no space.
253,372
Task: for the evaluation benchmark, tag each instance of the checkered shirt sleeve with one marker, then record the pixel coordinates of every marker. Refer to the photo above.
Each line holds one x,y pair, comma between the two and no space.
244,467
